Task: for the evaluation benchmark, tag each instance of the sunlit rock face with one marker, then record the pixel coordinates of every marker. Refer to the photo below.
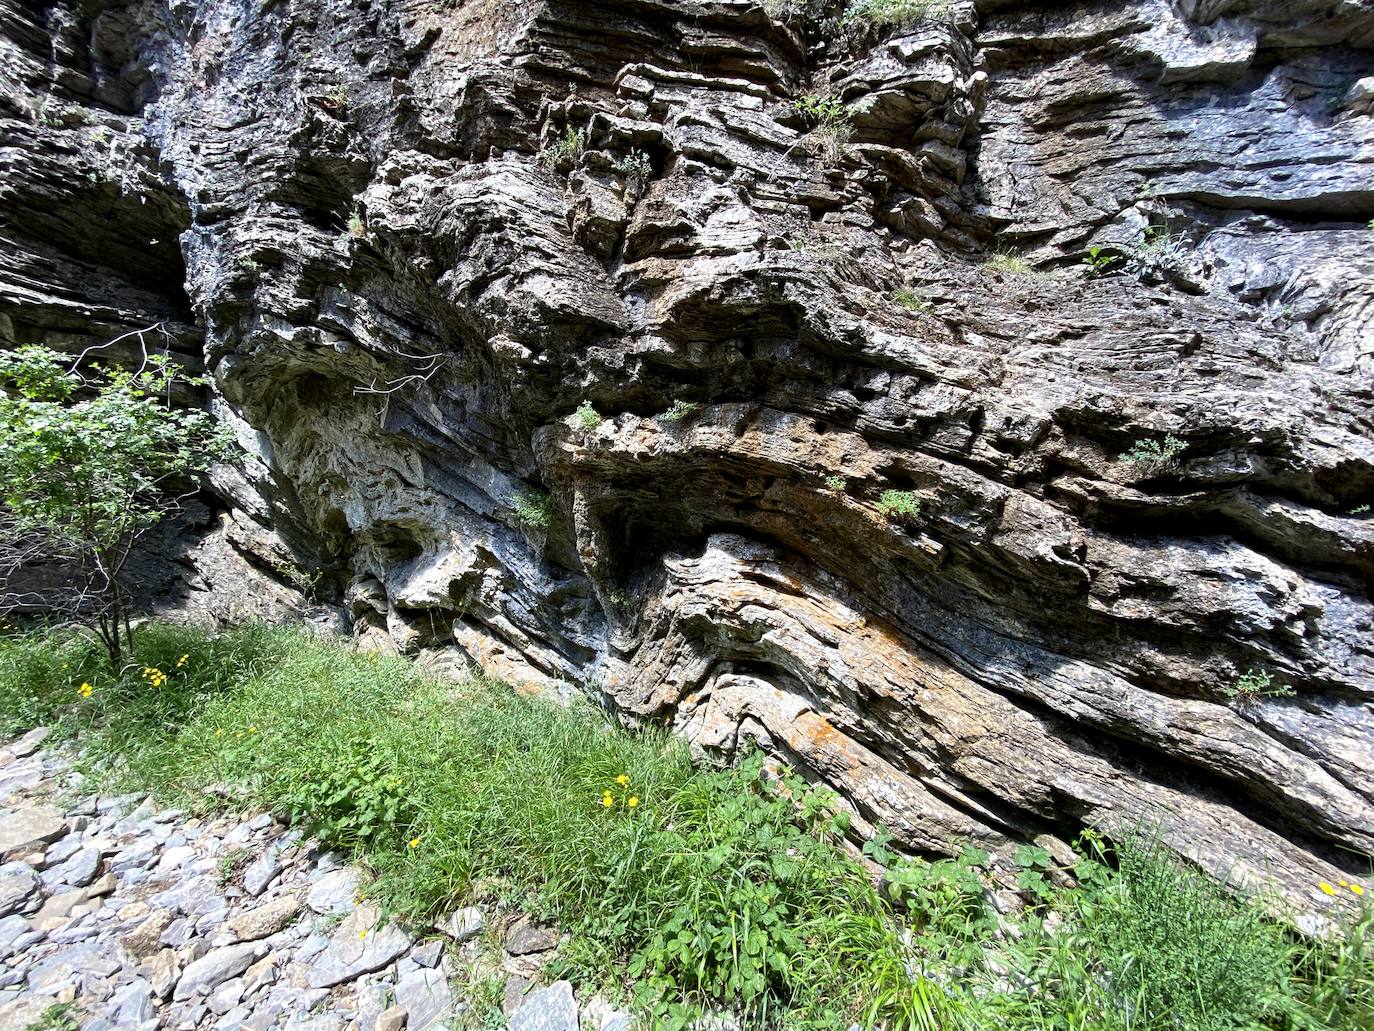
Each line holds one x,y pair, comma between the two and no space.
362,220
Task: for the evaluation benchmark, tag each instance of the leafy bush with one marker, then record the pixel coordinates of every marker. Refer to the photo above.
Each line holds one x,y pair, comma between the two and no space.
899,504
587,416
89,463
563,153
680,410
836,483
1099,263
1154,453
830,120
534,508
1255,684
637,170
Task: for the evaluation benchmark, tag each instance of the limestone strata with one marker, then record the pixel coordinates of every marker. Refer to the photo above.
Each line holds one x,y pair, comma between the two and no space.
403,293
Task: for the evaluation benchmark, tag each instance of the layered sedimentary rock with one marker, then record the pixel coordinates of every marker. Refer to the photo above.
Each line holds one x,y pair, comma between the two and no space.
409,240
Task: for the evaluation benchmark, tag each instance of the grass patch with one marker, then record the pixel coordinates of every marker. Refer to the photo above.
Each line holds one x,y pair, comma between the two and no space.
682,888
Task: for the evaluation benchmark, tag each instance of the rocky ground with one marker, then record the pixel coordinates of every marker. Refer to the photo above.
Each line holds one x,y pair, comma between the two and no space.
146,918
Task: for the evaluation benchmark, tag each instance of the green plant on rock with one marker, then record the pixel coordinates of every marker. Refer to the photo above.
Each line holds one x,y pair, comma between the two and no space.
563,152
637,170
354,227
836,483
1154,453
1098,263
1253,685
1011,264
336,99
680,410
899,504
60,1016
90,461
830,120
587,416
897,12
910,300
534,508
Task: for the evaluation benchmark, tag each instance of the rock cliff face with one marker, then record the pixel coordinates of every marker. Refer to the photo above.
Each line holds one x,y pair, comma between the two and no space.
409,239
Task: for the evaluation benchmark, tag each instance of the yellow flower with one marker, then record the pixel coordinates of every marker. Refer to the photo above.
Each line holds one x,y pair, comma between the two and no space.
182,661
362,934
85,690
607,800
414,843
632,802
623,779
1357,889
1326,888
253,728
219,732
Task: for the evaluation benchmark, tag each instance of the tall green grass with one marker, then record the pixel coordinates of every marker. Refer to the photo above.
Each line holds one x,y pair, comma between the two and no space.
714,888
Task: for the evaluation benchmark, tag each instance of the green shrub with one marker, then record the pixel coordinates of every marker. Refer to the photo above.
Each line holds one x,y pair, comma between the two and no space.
637,170
680,410
563,153
899,504
836,483
534,508
1098,263
1255,684
587,416
90,462
830,120
1153,452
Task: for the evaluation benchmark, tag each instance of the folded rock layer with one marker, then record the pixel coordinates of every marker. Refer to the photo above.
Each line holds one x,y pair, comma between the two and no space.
584,341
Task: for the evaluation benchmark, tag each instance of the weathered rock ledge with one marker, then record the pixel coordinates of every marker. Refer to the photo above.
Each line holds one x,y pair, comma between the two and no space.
342,209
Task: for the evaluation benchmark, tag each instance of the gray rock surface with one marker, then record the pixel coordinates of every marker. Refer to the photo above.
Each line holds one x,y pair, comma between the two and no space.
207,973
358,947
547,1009
1051,640
426,997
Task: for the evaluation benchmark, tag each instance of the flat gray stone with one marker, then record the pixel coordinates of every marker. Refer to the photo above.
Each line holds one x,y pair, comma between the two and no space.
67,966
462,925
17,890
29,743
260,873
335,892
27,830
215,967
23,1012
356,949
77,872
427,999
526,937
264,920
428,954
548,1009
134,1004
